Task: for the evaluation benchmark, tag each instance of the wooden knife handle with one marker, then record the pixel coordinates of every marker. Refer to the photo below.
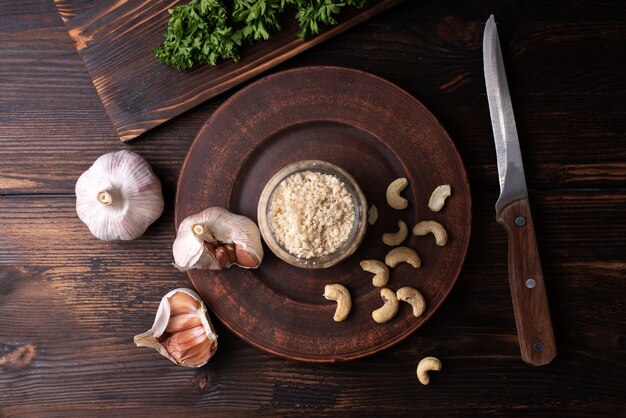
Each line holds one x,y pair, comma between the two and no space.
530,302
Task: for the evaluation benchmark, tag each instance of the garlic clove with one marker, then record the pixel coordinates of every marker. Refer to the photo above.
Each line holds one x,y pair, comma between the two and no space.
185,312
183,303
246,257
215,239
119,196
182,322
182,331
196,354
180,345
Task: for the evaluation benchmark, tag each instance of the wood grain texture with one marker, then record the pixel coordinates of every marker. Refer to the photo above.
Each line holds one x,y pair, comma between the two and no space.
79,301
47,96
115,40
528,291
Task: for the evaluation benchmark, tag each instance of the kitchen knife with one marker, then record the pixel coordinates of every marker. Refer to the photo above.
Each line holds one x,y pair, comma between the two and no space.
530,303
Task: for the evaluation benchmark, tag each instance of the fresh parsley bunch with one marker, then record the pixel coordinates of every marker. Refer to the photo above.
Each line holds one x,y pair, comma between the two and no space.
199,32
258,16
312,14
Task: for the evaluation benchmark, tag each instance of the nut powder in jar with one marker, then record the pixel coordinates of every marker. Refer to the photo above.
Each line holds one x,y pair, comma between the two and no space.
312,214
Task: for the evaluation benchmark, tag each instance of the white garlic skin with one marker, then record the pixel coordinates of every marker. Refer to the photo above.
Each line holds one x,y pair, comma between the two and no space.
181,333
119,196
191,252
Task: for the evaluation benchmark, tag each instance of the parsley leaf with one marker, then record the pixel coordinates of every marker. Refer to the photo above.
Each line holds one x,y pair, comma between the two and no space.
197,33
200,31
313,14
259,16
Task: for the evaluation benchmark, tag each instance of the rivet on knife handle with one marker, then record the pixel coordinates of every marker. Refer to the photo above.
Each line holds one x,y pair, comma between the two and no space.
530,302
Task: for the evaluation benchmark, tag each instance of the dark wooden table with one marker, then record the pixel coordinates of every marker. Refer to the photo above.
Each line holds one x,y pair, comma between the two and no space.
79,301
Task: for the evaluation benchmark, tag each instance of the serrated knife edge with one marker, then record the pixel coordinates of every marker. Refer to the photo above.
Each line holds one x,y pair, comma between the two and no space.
509,157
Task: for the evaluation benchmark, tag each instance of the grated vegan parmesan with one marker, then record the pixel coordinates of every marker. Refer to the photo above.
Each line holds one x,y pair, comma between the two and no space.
311,214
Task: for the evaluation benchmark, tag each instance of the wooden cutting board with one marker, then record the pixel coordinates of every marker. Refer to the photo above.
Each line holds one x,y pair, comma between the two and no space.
115,40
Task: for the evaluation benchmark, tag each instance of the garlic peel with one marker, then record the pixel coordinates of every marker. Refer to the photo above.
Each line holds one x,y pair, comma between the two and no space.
215,239
119,196
182,331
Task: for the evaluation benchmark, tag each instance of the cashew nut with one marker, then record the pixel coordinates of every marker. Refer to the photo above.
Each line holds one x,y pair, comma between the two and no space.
389,308
403,254
438,198
395,238
426,227
372,215
425,365
414,298
393,194
339,294
379,269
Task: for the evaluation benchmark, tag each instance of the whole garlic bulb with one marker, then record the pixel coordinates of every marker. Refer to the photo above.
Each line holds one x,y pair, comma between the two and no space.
215,239
182,331
119,196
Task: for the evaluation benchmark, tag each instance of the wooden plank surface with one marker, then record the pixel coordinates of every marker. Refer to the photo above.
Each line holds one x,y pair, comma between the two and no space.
91,301
44,82
115,40
79,301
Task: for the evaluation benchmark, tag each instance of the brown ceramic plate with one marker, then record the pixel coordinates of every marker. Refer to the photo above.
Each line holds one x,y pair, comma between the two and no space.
376,132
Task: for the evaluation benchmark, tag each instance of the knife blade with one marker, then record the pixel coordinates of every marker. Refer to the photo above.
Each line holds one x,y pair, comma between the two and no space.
530,302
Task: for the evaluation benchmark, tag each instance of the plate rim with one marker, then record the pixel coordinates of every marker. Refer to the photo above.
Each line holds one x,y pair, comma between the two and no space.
468,221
